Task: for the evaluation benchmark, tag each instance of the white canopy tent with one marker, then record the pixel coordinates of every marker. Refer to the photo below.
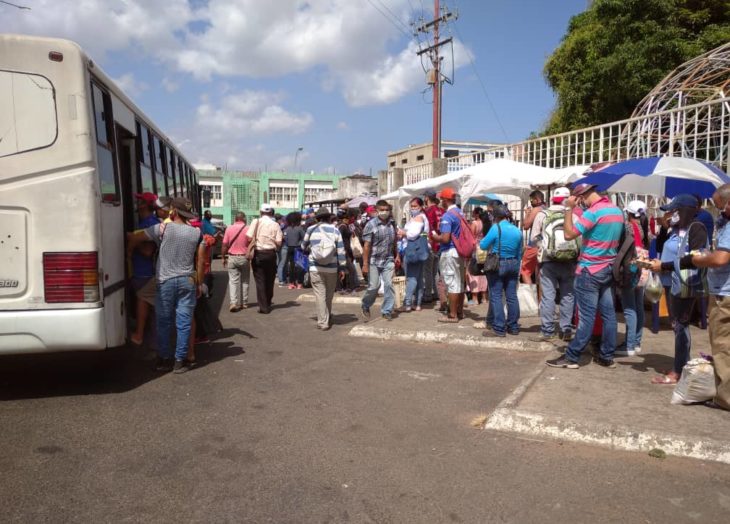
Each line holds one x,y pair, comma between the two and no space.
500,176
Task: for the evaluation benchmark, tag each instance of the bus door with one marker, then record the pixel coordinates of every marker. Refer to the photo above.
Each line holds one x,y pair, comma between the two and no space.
112,259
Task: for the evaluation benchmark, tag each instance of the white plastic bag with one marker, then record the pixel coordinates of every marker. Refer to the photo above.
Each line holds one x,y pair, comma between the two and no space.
697,383
653,289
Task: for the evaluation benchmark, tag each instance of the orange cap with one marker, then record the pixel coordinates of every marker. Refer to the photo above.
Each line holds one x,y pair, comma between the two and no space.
447,193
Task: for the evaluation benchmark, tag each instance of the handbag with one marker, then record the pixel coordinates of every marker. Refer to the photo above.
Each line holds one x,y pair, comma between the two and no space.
417,250
251,253
491,264
355,246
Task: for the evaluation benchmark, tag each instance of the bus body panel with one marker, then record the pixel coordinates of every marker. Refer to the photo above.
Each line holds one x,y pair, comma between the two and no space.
46,331
51,197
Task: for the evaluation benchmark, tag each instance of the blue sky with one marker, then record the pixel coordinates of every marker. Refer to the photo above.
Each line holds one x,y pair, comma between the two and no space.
244,83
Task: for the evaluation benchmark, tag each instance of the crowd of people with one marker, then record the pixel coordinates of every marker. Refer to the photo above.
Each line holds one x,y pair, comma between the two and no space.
586,254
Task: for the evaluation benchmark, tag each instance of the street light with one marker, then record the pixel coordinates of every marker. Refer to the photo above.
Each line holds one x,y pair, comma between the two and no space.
296,157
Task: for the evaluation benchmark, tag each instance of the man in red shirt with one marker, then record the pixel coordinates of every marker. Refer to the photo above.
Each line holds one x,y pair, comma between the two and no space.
430,269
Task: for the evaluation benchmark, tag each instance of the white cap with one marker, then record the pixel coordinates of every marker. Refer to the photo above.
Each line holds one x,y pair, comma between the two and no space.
636,207
266,208
561,192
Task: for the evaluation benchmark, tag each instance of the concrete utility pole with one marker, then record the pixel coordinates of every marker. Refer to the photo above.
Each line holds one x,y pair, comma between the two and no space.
434,78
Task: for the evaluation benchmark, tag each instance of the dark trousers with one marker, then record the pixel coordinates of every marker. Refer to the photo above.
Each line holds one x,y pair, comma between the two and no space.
264,274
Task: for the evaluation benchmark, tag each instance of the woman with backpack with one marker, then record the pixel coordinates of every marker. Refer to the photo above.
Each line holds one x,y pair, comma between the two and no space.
504,240
415,255
687,283
632,294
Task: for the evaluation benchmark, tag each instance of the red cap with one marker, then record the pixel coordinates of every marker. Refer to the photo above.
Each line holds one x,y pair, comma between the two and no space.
196,223
447,193
150,198
370,209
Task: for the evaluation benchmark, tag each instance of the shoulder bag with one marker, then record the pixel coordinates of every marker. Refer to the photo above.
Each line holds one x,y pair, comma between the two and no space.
491,264
252,245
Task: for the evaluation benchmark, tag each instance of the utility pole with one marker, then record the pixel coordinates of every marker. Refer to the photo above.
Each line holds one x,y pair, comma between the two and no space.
434,78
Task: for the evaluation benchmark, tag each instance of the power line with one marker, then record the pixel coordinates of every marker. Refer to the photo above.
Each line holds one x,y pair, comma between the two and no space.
391,20
14,5
395,17
481,83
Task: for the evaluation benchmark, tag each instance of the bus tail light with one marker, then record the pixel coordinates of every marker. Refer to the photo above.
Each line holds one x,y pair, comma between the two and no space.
71,277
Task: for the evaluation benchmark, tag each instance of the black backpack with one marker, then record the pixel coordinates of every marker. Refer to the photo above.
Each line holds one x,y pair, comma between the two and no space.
625,271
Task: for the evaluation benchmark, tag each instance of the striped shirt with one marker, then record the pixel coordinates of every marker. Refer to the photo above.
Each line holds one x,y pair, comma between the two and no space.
314,236
381,236
601,226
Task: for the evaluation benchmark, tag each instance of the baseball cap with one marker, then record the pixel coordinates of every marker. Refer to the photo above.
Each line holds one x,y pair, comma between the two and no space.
560,194
323,212
183,206
429,193
683,200
266,208
370,209
582,189
150,198
163,202
447,193
635,208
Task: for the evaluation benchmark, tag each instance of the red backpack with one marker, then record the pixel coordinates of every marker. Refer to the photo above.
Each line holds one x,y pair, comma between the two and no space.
465,243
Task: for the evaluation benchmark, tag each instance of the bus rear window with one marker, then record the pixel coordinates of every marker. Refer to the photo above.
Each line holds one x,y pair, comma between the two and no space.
27,113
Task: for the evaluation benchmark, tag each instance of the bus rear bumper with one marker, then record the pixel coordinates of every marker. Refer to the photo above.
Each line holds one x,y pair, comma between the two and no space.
52,330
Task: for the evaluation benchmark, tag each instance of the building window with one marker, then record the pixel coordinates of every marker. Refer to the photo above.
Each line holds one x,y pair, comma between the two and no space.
392,164
216,193
284,194
316,191
404,161
419,157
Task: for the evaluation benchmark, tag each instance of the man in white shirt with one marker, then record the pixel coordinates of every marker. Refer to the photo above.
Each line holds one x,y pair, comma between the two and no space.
265,237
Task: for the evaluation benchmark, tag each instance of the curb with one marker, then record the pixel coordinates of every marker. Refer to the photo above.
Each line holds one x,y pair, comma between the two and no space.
338,299
507,418
438,337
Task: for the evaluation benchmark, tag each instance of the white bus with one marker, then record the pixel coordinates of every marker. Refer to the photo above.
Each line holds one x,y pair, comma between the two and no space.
73,151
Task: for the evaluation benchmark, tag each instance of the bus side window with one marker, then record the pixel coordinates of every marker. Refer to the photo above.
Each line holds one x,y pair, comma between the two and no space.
145,184
106,168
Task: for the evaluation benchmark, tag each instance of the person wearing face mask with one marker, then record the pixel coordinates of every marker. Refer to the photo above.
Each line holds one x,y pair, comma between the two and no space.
416,254
691,235
718,279
380,258
667,245
600,227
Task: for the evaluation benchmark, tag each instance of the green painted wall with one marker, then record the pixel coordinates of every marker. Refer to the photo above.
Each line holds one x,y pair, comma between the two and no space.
247,191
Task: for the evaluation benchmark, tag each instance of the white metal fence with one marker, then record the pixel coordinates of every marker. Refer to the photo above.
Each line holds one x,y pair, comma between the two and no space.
699,131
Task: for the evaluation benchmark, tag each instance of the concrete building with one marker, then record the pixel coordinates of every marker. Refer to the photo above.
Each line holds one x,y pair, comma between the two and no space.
418,154
233,191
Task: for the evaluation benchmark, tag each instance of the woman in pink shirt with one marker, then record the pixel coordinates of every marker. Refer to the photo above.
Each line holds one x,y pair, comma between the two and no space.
234,250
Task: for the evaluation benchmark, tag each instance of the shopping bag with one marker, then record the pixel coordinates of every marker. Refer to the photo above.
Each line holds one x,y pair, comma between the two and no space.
653,289
697,383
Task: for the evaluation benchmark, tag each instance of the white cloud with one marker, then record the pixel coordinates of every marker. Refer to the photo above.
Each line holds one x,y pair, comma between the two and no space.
169,85
229,130
342,126
130,85
352,44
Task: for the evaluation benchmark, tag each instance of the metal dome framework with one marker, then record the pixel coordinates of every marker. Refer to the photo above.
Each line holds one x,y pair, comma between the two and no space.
687,112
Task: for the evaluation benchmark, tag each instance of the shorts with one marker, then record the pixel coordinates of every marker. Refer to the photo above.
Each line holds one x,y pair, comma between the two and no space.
146,289
452,271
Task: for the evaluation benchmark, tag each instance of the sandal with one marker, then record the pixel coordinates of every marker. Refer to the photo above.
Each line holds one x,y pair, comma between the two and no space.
664,380
136,341
448,320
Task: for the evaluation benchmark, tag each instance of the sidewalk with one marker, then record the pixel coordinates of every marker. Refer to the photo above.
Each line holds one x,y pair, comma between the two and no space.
423,327
618,408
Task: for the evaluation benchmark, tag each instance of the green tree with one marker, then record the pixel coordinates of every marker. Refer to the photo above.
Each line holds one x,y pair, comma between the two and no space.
616,51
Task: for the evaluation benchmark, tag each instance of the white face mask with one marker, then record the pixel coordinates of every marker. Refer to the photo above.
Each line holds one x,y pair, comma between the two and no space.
415,212
383,215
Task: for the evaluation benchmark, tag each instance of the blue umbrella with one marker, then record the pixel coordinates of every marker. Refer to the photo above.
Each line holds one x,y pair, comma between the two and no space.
661,176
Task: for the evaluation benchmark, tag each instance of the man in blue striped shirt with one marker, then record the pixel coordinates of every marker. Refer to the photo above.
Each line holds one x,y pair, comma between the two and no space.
326,262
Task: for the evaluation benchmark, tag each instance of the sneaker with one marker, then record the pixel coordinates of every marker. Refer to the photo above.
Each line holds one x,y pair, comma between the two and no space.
366,314
387,316
566,336
233,308
605,363
179,367
623,352
546,337
490,333
562,362
637,349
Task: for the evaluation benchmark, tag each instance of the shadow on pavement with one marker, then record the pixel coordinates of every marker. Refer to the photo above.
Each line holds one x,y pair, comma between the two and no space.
215,352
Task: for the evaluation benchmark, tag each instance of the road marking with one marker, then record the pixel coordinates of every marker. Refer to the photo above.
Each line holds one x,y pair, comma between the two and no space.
417,375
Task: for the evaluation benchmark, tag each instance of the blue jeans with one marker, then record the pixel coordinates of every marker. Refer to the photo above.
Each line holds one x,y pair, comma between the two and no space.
594,292
281,264
376,273
554,276
175,304
633,301
681,315
414,283
504,282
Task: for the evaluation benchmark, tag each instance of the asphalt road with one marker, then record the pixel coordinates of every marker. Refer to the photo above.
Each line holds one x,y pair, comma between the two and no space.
284,423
